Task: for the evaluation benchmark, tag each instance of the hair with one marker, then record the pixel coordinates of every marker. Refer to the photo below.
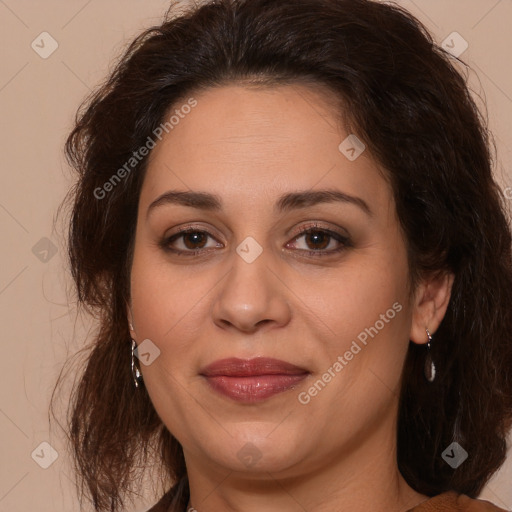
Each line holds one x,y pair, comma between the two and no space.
404,97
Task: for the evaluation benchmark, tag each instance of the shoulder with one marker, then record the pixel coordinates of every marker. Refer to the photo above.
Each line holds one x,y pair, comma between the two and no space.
454,502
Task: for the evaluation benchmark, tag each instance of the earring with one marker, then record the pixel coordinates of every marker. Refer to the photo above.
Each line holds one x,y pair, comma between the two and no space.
137,376
430,367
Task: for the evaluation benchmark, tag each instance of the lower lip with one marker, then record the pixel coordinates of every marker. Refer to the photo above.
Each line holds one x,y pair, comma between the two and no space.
255,388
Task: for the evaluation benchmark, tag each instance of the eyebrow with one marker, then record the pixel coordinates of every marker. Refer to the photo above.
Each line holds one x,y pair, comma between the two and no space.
286,202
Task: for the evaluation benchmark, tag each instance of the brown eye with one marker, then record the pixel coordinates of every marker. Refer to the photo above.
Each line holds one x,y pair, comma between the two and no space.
317,241
187,242
192,239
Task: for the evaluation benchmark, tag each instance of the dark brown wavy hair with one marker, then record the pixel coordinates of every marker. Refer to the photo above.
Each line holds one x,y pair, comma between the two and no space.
409,101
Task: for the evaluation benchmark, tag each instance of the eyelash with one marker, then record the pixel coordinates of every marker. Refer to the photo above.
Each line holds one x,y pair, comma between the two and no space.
344,241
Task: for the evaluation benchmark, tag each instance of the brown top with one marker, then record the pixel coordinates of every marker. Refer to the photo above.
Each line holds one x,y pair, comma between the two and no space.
447,502
454,502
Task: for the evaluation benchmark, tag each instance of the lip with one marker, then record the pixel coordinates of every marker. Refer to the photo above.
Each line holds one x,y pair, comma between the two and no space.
252,380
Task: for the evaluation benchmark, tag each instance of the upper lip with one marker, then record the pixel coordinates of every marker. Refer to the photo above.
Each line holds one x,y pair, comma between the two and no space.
235,367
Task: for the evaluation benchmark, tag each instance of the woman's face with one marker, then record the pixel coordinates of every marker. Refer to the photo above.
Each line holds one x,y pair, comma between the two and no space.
331,306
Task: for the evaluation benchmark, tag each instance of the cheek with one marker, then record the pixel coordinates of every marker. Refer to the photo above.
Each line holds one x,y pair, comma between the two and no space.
170,301
364,289
368,316
368,319
163,298
165,308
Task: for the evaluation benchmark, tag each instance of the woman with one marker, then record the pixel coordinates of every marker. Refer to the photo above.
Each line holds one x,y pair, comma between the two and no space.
287,225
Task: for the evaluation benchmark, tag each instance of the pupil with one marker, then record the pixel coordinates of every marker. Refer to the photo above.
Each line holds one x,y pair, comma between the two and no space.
197,238
318,237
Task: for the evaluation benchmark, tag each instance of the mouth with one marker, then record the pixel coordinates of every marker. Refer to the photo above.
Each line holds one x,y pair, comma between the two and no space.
252,380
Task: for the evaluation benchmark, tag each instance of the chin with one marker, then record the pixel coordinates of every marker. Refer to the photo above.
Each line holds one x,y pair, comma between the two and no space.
257,453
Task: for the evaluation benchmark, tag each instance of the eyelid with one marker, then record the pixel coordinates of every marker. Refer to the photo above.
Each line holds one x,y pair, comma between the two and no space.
343,239
193,228
315,224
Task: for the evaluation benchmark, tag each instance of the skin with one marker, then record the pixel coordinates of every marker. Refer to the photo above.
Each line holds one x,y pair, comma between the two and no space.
337,452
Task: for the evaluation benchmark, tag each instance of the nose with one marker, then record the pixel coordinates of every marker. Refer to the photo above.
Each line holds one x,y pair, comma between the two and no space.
251,295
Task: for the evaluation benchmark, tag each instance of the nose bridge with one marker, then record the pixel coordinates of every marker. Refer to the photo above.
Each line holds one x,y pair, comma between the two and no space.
251,293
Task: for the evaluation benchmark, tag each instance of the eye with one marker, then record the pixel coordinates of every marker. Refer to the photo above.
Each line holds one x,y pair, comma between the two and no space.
191,241
320,241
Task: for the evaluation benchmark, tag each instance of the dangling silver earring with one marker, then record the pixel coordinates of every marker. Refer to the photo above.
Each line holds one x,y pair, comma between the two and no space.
430,367
137,376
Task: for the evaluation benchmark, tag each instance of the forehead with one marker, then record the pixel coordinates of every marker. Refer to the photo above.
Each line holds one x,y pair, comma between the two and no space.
249,144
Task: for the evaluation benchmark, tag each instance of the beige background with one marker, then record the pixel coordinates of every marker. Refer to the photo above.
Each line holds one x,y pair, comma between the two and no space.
38,98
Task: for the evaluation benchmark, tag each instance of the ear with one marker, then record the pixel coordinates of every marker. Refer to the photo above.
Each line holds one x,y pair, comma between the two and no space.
430,304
